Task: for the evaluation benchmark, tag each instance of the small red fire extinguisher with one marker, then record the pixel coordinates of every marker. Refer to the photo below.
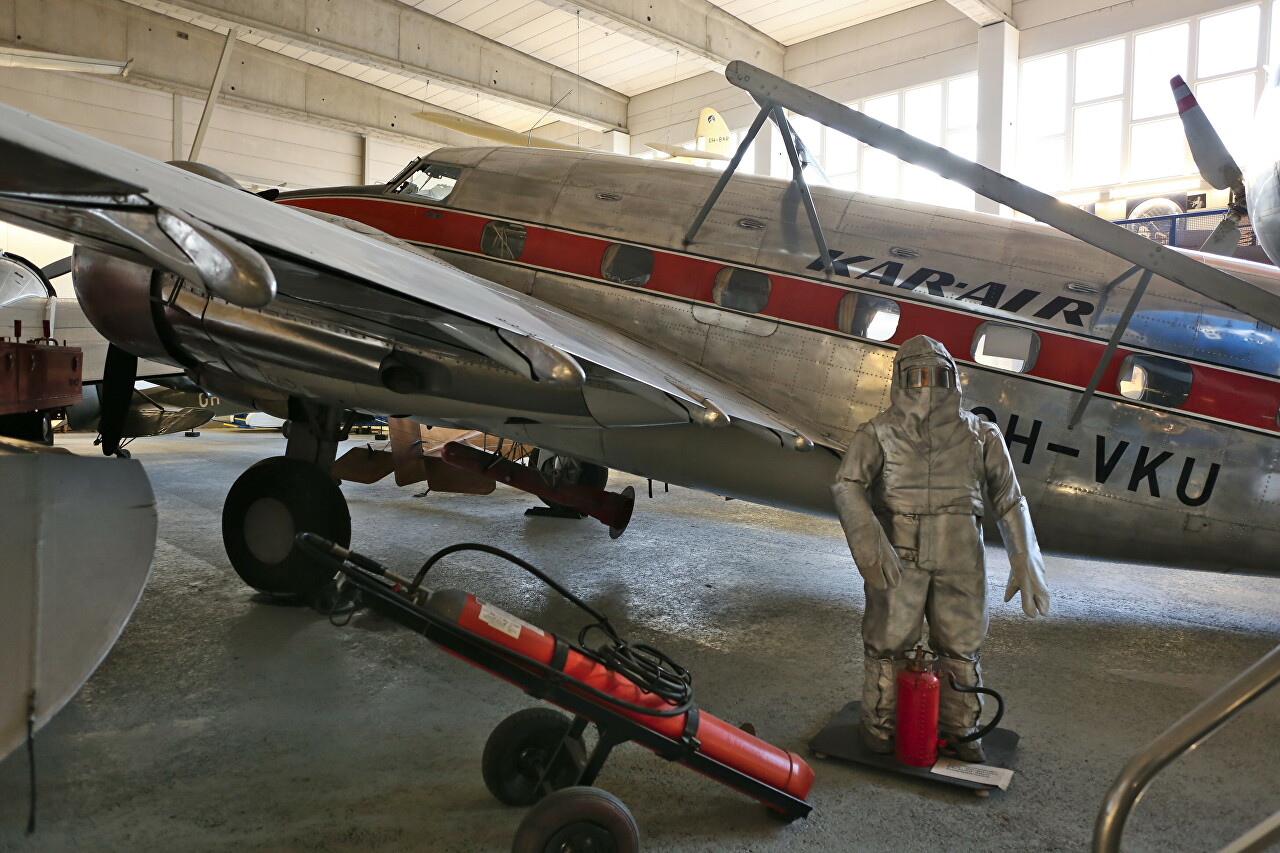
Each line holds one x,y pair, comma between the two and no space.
916,740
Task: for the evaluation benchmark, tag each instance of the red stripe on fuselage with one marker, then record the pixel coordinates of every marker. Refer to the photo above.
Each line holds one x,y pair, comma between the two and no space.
1217,393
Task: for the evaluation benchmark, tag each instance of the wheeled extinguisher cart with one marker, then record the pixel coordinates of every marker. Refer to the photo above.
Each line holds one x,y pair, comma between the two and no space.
917,745
538,757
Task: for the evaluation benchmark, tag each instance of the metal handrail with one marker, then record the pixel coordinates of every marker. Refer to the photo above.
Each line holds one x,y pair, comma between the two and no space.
1182,736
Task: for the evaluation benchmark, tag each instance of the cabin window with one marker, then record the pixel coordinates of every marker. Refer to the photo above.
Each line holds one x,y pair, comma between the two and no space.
1006,347
741,290
1155,379
627,264
867,316
431,182
503,240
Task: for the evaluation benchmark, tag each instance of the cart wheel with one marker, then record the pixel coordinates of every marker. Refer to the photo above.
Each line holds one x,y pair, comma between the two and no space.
578,819
518,751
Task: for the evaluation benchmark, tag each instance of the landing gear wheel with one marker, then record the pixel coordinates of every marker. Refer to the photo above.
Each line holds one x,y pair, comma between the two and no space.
565,469
518,752
270,504
578,819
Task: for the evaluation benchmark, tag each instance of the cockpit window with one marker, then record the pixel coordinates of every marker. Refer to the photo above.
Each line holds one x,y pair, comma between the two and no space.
430,181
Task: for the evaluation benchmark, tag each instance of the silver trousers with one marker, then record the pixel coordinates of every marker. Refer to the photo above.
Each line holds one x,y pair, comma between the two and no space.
943,582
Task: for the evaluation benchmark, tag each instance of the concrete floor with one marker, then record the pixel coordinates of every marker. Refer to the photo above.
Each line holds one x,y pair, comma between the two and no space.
218,723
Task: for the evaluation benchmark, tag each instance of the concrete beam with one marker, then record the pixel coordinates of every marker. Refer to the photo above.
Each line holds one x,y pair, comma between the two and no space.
181,58
997,102
391,36
986,12
699,29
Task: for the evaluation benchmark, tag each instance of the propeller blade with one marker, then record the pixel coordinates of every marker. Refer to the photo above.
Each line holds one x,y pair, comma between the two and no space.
1192,274
1225,239
1214,161
116,393
57,268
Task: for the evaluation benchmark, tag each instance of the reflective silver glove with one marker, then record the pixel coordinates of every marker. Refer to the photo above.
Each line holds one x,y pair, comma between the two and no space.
874,556
1026,566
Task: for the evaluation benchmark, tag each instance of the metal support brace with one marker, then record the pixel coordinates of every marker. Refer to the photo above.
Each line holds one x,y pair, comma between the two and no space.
1121,325
214,90
314,432
605,743
726,175
1177,740
797,178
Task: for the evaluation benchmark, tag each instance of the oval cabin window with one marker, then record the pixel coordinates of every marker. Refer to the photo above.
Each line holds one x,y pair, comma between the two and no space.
741,290
1155,379
503,240
1006,347
867,316
627,264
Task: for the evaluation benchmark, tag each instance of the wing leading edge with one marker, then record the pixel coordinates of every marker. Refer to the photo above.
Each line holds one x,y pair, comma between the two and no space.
233,243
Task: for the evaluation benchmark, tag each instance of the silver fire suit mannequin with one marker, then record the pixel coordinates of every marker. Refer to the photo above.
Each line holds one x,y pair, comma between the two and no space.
910,498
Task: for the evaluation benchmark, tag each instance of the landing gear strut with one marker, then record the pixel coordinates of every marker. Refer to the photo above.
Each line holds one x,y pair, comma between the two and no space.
282,496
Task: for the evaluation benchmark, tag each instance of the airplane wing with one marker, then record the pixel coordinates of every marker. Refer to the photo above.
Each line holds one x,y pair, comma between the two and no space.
1210,282
252,252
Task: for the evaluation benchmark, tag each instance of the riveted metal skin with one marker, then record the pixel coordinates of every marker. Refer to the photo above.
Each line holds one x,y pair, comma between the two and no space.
1199,480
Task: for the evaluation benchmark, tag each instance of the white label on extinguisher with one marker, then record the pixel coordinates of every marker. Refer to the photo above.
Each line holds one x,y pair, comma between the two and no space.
501,620
996,777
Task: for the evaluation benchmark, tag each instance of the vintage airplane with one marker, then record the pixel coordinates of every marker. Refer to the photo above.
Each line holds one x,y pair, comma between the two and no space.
721,331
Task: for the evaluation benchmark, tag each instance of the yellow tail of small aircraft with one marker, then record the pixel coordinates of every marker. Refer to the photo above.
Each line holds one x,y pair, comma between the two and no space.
711,141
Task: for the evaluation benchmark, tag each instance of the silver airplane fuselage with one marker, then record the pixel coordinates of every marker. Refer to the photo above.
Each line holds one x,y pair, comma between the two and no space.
1192,484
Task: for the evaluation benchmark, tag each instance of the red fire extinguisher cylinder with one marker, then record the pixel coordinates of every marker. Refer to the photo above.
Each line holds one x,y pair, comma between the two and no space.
916,730
718,740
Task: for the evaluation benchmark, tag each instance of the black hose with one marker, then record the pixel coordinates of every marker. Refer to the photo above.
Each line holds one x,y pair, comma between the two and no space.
646,667
995,721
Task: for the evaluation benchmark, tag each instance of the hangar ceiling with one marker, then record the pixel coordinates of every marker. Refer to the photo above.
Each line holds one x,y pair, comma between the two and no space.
518,63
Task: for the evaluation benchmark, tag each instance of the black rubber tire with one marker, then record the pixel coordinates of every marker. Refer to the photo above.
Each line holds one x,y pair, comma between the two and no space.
578,818
517,752
28,426
267,506
566,469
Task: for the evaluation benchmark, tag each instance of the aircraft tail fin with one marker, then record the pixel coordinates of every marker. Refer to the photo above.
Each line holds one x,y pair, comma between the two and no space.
713,134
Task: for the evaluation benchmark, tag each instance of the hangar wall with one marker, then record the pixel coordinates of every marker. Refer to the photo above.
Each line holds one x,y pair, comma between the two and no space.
908,48
256,149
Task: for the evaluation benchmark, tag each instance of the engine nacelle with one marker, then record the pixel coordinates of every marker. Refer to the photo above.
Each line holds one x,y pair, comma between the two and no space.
116,298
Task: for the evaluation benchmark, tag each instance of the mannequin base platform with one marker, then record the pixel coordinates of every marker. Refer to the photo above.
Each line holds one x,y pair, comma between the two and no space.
842,739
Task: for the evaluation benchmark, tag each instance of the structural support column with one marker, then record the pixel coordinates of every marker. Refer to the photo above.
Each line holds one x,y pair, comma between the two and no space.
997,100
617,142
366,160
764,152
178,127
